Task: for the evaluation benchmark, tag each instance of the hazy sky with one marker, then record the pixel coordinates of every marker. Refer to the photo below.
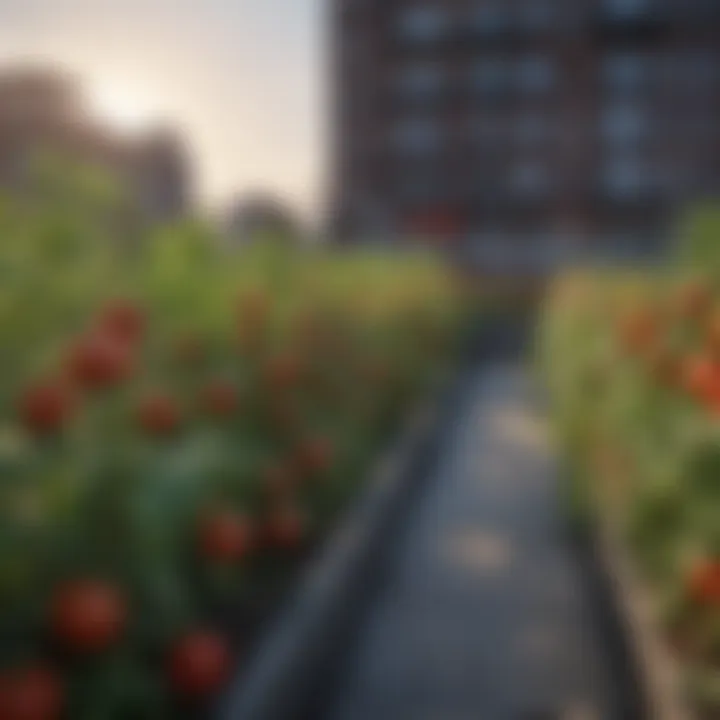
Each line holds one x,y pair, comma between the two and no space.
243,78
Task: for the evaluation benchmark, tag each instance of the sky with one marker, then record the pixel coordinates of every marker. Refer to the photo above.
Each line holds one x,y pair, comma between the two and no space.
242,79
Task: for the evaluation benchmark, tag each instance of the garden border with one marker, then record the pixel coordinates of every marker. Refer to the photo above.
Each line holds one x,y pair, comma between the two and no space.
287,679
647,677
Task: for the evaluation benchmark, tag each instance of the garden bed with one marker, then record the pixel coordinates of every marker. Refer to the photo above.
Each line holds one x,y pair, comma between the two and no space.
182,429
633,377
288,679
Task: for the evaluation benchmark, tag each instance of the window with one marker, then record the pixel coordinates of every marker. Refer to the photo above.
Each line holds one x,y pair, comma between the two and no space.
532,130
417,135
490,18
417,187
536,75
490,76
627,8
423,23
626,72
624,124
486,132
538,15
699,70
530,179
625,178
421,79
489,247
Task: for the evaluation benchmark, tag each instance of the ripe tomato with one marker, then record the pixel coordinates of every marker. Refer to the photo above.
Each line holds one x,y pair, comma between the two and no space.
44,409
31,693
285,526
283,371
159,415
88,616
314,455
693,299
199,664
219,398
700,374
225,536
99,361
123,321
701,378
704,583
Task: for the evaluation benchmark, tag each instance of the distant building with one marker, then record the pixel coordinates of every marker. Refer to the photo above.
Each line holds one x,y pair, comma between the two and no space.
499,125
43,110
260,214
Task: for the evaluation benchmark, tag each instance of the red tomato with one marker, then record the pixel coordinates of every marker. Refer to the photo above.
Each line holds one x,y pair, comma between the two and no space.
46,408
283,371
88,616
700,374
159,415
220,398
285,526
694,299
123,320
225,536
314,455
200,664
32,693
701,377
100,361
704,583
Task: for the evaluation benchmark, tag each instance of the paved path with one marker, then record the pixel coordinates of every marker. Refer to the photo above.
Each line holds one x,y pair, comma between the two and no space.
482,615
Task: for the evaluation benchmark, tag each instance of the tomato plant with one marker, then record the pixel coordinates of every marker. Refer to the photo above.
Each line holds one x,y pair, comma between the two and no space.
630,360
179,426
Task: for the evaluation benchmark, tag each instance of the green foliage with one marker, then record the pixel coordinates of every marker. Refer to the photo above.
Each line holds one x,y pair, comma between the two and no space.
637,427
104,495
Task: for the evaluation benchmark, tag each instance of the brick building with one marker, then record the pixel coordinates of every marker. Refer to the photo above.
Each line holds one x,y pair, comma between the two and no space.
517,130
43,110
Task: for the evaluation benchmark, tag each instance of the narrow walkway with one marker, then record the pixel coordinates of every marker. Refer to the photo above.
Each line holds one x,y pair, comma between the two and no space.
482,615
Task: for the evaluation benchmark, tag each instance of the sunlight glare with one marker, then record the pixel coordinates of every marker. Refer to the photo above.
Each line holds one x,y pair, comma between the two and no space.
120,108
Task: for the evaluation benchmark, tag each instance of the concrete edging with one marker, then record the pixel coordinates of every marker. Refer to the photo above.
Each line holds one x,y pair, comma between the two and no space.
286,678
647,678
660,673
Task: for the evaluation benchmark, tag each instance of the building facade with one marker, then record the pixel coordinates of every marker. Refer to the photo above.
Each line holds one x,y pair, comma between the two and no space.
520,130
42,110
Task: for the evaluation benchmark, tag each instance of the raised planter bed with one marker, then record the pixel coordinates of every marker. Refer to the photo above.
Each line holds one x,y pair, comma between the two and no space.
288,675
658,673
177,440
632,375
